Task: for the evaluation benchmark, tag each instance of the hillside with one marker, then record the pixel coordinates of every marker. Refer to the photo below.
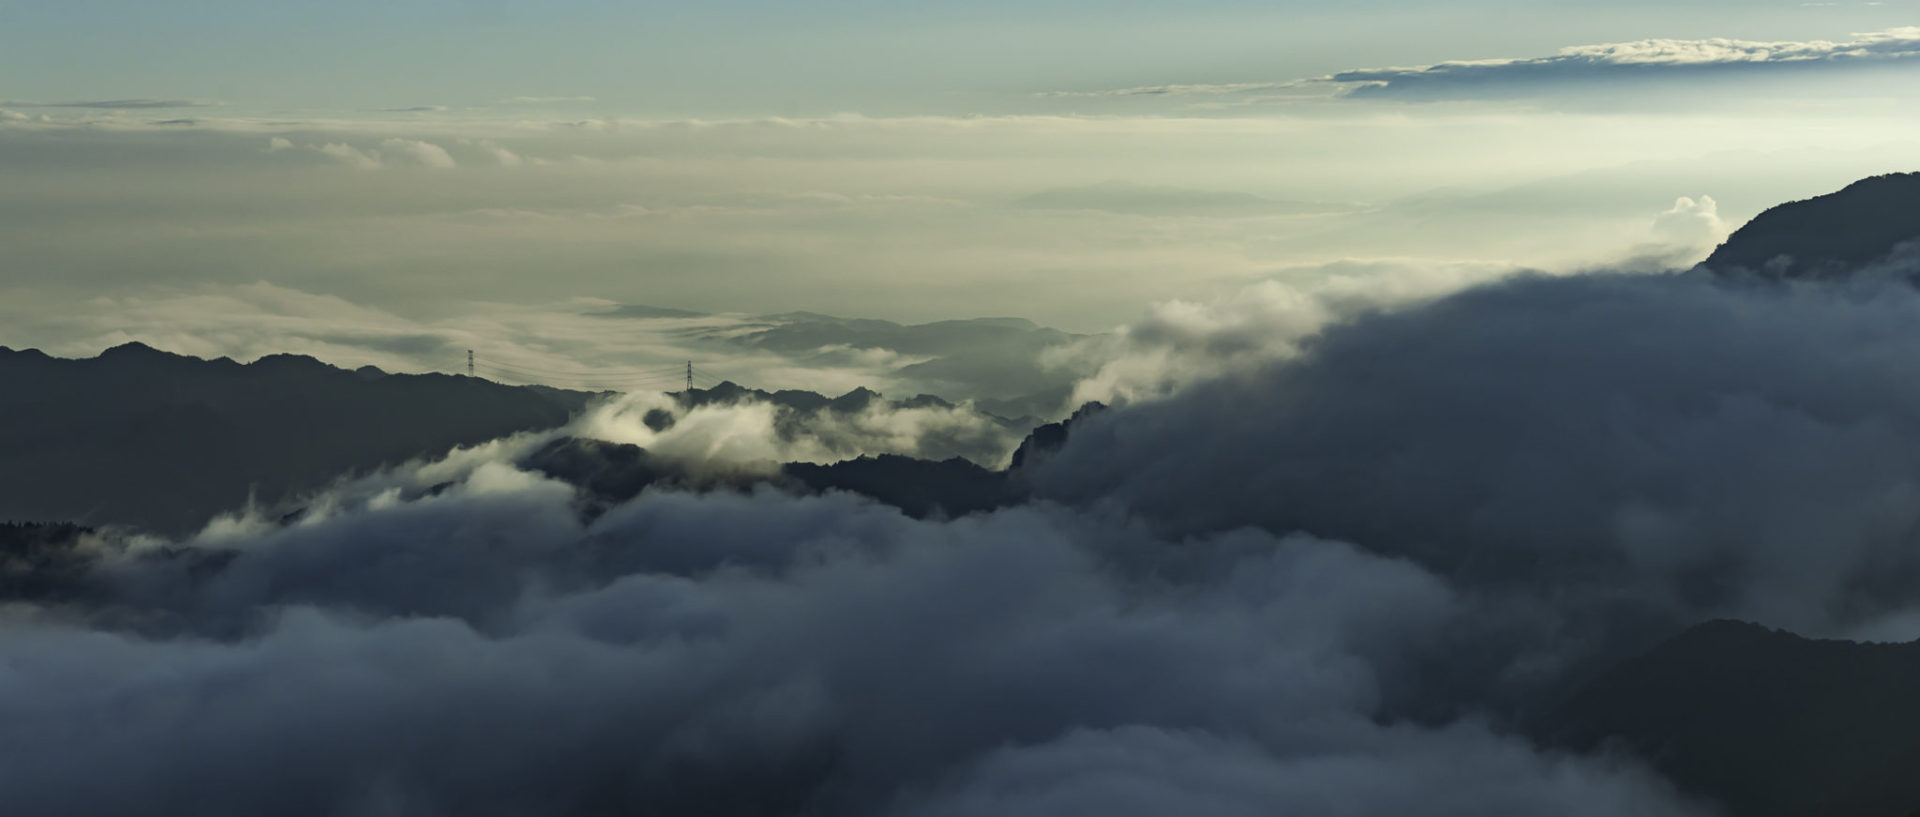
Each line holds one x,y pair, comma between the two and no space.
1826,236
141,437
1769,723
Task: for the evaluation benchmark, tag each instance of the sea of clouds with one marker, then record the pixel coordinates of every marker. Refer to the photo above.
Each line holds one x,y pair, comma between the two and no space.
1346,577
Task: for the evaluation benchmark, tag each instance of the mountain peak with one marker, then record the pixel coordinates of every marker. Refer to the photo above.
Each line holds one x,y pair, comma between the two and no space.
133,349
1826,237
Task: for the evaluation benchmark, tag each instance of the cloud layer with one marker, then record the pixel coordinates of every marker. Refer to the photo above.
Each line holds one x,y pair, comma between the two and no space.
1665,445
1575,68
694,214
1346,574
749,654
1652,59
116,104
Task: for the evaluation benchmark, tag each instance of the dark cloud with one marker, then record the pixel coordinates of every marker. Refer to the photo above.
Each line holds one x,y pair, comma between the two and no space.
1618,453
1339,582
480,652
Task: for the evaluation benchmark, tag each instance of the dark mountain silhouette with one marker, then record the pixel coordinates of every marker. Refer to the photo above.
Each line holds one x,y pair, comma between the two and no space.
993,361
1828,236
141,437
798,412
1769,723
953,487
611,473
731,393
607,473
920,488
41,561
1049,438
996,360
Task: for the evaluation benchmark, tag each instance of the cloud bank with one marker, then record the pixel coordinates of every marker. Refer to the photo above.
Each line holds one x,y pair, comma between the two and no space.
1667,445
691,214
1602,64
1651,59
749,654
1347,575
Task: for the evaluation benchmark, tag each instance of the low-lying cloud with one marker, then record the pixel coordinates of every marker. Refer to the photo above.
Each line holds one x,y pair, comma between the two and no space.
1180,343
1351,573
1665,444
481,650
391,152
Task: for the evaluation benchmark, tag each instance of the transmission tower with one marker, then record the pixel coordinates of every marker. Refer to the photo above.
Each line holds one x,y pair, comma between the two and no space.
469,362
689,375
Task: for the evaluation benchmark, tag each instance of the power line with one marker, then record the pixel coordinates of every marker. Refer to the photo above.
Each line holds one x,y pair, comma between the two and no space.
542,369
689,376
586,384
515,371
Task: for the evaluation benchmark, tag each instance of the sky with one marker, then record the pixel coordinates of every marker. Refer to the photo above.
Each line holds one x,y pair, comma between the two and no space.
1077,164
760,57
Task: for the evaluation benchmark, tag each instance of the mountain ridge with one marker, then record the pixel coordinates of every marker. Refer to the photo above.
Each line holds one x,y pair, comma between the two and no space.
140,436
1825,237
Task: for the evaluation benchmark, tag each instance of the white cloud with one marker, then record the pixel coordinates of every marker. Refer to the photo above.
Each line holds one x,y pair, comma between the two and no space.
416,152
1691,223
501,154
1178,343
1898,43
392,152
350,155
541,100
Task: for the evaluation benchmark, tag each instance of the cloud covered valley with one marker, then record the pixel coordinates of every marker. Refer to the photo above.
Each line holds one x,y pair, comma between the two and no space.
1360,569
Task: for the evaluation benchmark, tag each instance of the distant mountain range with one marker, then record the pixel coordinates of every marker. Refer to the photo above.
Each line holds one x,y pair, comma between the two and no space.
149,439
994,361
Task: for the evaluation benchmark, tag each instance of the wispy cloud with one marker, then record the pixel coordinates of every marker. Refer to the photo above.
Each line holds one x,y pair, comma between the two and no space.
415,109
1186,89
541,100
392,152
118,104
